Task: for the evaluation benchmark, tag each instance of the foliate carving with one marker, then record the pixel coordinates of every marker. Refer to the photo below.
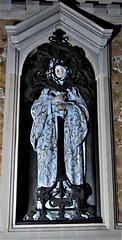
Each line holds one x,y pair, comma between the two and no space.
58,54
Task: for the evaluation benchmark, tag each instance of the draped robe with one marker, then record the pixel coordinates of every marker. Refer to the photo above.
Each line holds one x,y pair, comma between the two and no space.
43,136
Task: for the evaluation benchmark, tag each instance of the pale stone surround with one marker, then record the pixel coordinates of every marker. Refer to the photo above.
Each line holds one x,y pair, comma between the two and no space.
86,47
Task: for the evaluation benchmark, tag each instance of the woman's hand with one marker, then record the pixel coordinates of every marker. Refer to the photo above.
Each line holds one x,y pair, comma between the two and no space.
61,106
58,98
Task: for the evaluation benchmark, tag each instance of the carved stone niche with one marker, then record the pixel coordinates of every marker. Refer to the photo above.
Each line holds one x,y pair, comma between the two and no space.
23,39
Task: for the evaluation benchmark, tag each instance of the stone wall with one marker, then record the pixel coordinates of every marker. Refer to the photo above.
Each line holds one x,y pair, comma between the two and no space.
116,92
3,54
117,110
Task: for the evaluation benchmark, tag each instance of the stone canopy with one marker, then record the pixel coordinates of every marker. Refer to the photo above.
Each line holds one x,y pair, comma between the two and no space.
94,36
82,28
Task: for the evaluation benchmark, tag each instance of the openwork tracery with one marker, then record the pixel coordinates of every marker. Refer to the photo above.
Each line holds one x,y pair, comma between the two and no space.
59,51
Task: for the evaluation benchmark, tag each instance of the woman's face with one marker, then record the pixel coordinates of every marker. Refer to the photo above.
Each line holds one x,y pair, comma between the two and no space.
59,71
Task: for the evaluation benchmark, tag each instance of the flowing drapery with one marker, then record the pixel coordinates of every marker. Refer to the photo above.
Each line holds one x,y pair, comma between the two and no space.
44,135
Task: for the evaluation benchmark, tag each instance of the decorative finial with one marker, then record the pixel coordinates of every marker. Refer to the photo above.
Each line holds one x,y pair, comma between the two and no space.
58,36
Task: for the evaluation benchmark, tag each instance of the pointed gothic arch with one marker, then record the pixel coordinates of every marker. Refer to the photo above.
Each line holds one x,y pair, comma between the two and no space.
39,75
94,38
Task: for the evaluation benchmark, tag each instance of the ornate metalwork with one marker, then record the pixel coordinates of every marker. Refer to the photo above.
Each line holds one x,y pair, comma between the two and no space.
74,71
41,73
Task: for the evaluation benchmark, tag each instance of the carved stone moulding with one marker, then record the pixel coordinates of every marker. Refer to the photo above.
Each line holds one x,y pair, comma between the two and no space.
23,39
